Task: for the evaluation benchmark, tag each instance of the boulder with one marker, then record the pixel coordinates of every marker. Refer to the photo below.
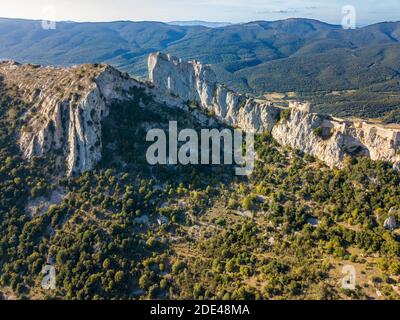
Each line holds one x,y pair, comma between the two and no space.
390,223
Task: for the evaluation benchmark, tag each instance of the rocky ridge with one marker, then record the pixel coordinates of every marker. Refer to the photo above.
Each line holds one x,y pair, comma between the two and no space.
196,84
65,110
328,139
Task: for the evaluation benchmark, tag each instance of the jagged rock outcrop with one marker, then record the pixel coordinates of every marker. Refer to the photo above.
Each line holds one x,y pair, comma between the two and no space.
196,84
65,110
328,139
300,131
331,140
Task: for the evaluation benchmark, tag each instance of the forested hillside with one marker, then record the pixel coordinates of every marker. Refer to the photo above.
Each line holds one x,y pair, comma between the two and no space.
287,55
127,230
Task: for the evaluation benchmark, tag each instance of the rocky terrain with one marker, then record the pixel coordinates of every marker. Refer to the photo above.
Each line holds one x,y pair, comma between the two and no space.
65,109
197,85
331,140
327,138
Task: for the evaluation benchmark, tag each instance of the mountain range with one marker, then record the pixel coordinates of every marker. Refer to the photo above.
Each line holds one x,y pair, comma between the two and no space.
300,55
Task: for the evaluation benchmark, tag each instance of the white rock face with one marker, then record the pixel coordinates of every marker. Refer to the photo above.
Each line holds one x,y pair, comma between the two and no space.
196,84
337,138
382,143
298,132
328,139
84,132
66,110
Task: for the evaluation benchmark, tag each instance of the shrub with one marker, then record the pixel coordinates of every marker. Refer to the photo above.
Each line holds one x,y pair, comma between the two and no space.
285,115
178,266
318,132
249,202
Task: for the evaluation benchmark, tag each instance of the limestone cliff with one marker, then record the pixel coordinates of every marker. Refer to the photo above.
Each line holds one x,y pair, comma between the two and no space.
331,140
65,110
326,138
196,84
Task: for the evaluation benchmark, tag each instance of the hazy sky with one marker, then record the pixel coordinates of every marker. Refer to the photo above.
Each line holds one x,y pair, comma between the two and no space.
368,11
